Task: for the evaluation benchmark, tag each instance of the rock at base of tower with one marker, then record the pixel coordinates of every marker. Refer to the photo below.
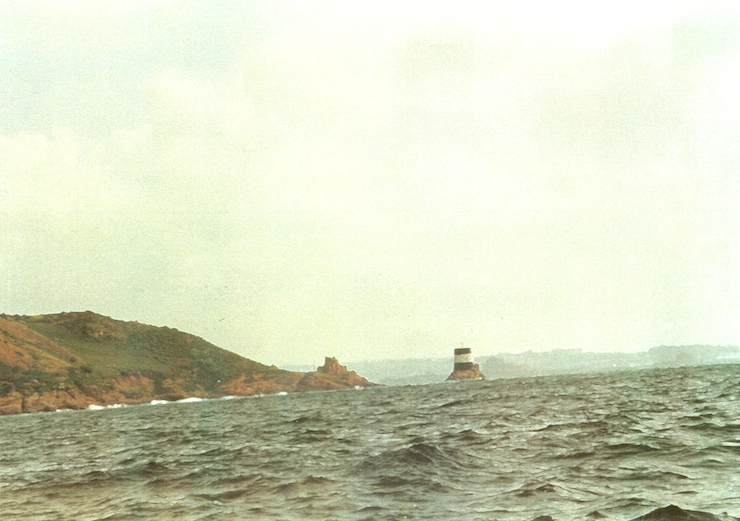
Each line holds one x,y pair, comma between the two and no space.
467,374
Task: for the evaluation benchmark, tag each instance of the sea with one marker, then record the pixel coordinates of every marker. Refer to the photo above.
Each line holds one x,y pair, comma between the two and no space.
609,446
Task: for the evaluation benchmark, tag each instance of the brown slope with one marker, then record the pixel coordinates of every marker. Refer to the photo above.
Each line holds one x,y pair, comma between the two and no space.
22,346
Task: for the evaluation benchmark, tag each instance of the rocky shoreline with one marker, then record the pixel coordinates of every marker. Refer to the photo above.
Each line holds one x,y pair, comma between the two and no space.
330,376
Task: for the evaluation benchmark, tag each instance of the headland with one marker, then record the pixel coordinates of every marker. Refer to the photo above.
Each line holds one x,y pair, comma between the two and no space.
75,360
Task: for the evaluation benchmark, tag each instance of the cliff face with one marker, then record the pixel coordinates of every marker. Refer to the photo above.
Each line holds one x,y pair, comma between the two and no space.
73,360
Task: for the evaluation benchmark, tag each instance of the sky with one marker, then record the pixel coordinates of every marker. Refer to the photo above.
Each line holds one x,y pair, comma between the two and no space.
375,180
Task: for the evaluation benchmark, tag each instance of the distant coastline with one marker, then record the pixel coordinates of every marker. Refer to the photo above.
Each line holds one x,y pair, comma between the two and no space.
414,371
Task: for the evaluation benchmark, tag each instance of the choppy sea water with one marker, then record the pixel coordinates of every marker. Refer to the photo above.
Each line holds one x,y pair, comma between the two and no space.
581,447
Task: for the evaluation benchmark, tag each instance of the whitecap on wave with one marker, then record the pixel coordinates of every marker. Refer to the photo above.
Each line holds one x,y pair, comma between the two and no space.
95,407
190,399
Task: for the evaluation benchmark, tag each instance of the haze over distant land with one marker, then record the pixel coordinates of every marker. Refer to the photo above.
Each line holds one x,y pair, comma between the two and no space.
376,180
555,362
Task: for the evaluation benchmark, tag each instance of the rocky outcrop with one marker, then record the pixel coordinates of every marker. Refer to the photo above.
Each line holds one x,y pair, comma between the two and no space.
467,374
331,375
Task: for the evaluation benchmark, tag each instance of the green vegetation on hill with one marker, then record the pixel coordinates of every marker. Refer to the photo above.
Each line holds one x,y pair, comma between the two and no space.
111,349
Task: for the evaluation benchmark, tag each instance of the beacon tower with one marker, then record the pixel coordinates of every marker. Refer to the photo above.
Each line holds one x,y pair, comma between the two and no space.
463,359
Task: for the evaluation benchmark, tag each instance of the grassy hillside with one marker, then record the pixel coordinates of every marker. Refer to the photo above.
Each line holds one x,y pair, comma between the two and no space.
70,360
113,348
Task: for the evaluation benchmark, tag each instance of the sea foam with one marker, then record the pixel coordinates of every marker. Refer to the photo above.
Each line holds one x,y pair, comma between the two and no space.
190,400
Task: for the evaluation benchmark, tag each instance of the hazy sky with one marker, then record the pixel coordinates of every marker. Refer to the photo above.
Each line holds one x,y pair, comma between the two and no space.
291,180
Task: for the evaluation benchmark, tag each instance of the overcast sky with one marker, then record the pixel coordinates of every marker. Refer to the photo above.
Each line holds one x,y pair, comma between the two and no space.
291,180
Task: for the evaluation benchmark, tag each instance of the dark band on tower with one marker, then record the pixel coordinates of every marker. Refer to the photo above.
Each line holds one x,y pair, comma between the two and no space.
463,359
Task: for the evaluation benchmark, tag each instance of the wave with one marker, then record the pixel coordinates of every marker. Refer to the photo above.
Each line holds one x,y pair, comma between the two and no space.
224,497
618,450
467,437
419,457
536,489
420,454
455,403
311,436
304,419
